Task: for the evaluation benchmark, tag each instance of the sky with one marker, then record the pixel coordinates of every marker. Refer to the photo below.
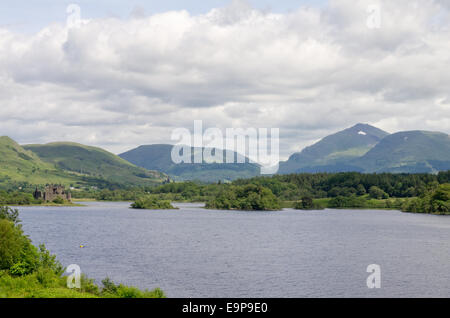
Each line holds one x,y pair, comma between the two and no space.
130,72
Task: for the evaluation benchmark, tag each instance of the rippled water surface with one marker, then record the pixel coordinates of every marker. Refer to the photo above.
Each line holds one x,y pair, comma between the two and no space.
193,252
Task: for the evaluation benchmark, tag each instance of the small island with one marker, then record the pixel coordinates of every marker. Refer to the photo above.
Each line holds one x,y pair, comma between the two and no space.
246,198
152,203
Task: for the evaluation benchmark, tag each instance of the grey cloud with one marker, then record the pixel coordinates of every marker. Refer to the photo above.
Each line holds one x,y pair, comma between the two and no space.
308,72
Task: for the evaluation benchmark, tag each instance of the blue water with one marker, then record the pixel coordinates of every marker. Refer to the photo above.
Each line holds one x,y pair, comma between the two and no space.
193,252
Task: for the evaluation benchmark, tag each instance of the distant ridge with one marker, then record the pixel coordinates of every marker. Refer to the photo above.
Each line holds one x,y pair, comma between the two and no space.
158,157
409,152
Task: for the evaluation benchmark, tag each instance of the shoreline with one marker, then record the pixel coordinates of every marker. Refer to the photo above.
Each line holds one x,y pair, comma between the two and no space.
283,208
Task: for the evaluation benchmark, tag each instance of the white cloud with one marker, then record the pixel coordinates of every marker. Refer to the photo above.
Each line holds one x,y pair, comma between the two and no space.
120,83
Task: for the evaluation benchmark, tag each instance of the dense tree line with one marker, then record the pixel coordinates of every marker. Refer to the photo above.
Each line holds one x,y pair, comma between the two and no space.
292,187
323,185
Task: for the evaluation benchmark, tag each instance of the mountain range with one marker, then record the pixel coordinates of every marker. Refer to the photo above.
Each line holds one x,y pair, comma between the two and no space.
361,148
364,148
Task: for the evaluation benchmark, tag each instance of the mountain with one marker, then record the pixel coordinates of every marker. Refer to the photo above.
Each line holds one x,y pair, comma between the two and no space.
18,165
92,162
409,152
335,153
158,157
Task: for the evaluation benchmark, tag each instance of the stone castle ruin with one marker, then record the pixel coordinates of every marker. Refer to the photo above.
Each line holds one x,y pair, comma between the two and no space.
52,192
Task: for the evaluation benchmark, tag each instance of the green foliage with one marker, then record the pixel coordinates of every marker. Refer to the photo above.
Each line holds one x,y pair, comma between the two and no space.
58,201
377,193
435,201
249,197
12,215
88,285
49,261
321,185
152,203
17,255
347,202
17,198
111,290
308,203
11,244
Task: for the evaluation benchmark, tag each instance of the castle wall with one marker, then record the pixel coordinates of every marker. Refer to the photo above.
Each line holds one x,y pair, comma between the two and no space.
51,193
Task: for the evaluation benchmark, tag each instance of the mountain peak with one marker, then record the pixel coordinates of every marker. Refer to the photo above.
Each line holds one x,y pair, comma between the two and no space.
342,146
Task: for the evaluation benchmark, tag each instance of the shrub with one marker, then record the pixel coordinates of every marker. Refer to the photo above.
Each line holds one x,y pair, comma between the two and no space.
16,251
308,203
6,213
88,285
347,202
121,291
58,201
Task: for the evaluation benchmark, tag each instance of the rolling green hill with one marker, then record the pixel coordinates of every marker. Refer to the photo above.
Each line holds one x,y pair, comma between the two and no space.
19,165
93,162
409,152
335,152
158,157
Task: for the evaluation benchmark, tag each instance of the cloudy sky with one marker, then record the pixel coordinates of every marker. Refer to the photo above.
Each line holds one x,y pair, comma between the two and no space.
130,72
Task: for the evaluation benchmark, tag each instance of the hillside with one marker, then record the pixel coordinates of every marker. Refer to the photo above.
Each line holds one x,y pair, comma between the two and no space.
18,165
158,157
94,162
335,152
410,151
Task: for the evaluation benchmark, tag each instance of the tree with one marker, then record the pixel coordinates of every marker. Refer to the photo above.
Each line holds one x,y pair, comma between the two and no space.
377,193
10,244
360,189
307,203
9,214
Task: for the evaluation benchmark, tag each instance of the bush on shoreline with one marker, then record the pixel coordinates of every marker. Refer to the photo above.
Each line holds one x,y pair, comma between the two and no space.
434,201
308,203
